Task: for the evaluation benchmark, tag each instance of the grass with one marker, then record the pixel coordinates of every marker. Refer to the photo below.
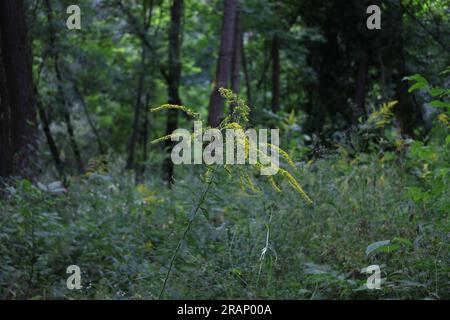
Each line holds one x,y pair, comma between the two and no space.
242,244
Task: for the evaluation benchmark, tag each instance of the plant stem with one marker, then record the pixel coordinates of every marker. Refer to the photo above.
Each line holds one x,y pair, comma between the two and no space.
177,249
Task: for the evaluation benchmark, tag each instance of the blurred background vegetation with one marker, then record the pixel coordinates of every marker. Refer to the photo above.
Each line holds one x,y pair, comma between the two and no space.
363,114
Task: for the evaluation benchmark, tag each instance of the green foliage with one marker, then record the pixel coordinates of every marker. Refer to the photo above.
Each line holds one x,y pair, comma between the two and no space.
429,160
379,198
241,245
436,92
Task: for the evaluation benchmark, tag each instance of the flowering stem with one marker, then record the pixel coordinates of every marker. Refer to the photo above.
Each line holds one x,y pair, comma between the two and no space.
191,220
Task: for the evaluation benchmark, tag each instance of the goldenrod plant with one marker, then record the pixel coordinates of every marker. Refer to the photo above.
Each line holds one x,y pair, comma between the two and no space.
237,120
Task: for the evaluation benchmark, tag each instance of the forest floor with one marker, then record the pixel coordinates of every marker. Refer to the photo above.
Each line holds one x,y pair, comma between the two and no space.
243,243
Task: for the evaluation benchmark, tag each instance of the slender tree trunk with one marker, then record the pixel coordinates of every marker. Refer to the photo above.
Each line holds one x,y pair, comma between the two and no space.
54,151
246,73
17,93
408,117
101,147
66,117
361,84
45,122
236,60
223,70
173,81
275,52
266,65
147,10
137,113
144,141
60,88
73,141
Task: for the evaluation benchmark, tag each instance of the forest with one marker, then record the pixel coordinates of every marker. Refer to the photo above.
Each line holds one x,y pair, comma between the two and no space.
351,98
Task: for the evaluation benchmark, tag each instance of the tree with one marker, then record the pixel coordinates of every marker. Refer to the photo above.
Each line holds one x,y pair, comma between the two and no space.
245,70
17,101
61,94
408,115
140,93
275,54
5,125
224,62
364,39
173,80
236,60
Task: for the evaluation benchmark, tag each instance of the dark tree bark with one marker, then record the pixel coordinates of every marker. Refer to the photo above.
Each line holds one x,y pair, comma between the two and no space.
18,121
73,141
54,151
223,70
5,126
173,81
45,123
408,116
361,84
364,40
275,53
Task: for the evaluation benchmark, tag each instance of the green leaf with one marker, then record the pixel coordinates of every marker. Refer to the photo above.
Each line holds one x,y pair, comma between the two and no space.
446,71
417,86
403,241
417,77
447,139
421,82
439,104
437,92
205,212
376,246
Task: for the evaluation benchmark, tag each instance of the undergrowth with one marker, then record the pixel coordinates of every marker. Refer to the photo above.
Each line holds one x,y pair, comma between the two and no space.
380,206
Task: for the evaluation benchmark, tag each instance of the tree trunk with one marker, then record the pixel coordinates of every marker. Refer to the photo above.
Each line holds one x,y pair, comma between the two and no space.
224,63
142,34
361,84
66,117
137,113
246,74
144,142
275,53
17,93
101,147
408,117
50,141
5,126
236,60
266,65
60,89
173,81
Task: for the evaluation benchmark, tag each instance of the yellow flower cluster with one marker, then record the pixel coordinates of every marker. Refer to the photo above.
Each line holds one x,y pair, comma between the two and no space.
293,182
97,165
186,110
443,118
383,116
237,121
